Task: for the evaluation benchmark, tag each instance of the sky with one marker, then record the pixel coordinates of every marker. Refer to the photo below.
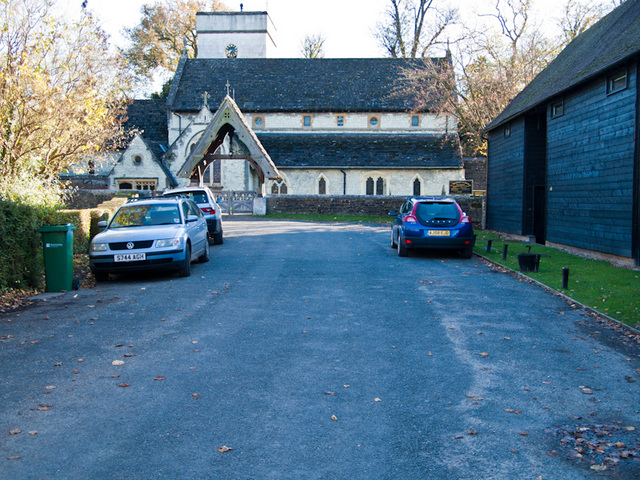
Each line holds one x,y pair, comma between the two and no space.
347,25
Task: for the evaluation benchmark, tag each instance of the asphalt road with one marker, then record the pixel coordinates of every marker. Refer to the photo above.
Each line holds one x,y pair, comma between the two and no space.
307,351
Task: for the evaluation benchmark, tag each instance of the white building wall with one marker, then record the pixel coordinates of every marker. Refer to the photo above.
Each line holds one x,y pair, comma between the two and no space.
397,182
396,122
250,32
137,162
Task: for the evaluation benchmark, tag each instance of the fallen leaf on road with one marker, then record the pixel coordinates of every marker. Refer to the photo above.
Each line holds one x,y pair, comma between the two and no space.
484,354
33,432
195,395
472,432
334,418
523,433
333,394
124,385
509,410
377,399
15,431
15,457
159,377
117,362
598,468
224,449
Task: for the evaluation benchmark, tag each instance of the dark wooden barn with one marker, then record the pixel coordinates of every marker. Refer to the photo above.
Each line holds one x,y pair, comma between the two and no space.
563,157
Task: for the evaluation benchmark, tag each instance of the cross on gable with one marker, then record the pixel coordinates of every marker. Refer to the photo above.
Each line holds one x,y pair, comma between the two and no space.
205,96
227,85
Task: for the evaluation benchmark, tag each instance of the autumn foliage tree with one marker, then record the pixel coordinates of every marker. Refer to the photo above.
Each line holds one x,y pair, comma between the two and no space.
61,96
490,67
167,28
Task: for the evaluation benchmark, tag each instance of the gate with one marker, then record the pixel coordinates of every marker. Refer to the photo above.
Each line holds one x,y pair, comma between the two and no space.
235,202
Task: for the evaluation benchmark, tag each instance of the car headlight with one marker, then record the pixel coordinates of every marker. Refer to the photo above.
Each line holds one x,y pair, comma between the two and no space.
98,247
168,242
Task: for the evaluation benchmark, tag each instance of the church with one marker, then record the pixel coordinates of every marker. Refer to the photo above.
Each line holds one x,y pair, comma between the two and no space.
238,119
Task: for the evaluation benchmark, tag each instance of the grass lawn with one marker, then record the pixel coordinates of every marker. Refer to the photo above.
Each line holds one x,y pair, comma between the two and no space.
598,284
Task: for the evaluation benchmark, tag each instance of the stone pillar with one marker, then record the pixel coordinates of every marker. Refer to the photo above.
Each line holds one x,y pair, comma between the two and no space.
259,205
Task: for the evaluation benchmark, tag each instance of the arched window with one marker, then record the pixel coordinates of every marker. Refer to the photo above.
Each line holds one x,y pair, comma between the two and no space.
370,186
380,186
279,188
416,186
125,186
322,186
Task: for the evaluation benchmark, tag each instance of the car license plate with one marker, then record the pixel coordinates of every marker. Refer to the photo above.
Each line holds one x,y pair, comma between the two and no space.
129,257
438,233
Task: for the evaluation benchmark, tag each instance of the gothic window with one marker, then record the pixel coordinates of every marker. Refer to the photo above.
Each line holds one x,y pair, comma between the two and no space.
125,186
322,186
369,186
279,188
380,186
416,186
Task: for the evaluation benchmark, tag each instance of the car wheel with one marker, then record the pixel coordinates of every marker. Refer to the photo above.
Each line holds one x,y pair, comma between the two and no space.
217,239
467,252
403,251
101,276
185,270
393,239
206,255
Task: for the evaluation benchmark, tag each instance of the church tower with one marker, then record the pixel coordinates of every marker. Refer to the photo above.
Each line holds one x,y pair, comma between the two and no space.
235,35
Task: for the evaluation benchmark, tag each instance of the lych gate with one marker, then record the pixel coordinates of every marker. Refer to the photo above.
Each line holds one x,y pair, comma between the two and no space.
229,137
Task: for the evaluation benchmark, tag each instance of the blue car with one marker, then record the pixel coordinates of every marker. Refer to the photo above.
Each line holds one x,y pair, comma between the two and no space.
432,223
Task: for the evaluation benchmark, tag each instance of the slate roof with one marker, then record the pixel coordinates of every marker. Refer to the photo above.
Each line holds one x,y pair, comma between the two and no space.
364,150
149,117
293,84
613,39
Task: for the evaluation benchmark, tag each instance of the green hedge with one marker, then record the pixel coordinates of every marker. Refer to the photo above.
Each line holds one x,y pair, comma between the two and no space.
21,243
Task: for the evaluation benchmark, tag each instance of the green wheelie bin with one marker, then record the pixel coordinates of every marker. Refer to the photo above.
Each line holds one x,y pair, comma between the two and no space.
57,245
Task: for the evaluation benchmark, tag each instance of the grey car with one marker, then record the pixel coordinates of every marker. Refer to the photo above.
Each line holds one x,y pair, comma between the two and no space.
205,200
151,234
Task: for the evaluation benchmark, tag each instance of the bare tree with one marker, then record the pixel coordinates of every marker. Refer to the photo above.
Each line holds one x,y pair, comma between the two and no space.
578,16
313,46
413,27
485,74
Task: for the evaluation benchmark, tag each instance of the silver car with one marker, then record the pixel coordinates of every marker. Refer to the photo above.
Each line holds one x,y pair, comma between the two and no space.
205,200
150,234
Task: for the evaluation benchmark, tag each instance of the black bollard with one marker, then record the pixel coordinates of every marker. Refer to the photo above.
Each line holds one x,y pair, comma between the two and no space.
504,251
565,278
489,246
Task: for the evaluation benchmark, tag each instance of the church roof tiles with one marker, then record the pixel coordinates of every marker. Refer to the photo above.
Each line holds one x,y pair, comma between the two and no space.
294,84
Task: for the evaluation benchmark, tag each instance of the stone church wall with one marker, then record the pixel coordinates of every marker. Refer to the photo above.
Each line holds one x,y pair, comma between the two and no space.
361,205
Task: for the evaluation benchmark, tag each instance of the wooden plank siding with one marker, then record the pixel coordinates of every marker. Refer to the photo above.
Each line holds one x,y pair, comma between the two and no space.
590,168
505,178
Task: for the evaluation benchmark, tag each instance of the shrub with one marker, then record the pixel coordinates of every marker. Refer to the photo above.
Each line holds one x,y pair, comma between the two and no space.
20,245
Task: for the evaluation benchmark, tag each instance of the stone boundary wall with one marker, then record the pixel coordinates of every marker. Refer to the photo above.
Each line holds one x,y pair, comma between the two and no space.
362,205
81,199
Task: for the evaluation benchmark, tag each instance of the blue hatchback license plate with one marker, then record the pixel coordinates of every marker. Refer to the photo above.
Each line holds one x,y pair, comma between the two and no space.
438,233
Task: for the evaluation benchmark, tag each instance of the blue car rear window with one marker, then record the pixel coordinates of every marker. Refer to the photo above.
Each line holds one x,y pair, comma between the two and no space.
425,212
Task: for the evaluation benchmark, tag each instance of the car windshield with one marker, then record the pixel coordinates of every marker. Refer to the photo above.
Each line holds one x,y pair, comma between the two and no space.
141,215
426,212
198,197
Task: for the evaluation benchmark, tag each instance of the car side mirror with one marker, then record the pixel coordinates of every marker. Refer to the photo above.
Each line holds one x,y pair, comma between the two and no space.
102,224
192,218
393,213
